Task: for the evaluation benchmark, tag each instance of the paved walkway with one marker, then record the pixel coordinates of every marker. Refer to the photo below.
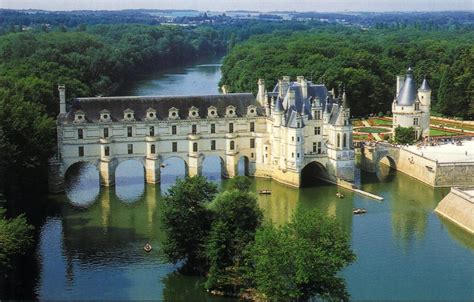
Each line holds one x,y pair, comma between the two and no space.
375,135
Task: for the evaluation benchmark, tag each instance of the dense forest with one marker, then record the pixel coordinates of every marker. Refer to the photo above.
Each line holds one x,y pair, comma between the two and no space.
365,62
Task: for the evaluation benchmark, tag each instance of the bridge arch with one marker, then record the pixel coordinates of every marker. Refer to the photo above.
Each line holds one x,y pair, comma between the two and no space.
82,183
130,179
313,173
243,166
213,167
385,168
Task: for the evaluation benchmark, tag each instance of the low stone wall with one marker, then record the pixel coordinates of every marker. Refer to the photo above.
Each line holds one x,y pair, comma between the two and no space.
417,166
454,174
458,206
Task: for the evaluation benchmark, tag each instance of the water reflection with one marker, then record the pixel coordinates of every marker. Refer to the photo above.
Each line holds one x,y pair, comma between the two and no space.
170,170
82,184
130,181
212,168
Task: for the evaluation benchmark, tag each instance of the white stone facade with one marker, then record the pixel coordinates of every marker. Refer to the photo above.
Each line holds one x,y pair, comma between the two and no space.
411,107
278,133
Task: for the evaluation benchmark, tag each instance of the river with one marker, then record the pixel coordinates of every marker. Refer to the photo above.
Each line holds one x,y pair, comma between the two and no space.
90,246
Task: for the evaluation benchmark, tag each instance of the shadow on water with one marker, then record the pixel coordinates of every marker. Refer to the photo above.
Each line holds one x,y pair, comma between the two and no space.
82,184
130,181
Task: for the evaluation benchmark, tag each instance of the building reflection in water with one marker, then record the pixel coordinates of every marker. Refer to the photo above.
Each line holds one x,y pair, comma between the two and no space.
130,181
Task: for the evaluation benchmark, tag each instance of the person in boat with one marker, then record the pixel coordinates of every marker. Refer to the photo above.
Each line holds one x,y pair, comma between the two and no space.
147,248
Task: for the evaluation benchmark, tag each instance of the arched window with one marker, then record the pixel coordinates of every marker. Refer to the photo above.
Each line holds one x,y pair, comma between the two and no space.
344,142
338,140
232,145
195,147
152,149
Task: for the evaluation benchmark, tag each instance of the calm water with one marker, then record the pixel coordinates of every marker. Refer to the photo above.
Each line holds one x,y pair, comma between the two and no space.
92,247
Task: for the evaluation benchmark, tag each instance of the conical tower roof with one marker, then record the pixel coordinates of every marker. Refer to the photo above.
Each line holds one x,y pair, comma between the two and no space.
407,94
424,85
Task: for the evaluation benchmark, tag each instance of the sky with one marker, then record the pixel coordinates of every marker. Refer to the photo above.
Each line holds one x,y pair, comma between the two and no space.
259,5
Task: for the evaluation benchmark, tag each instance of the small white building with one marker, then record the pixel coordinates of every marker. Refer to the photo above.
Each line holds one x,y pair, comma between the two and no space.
411,107
298,126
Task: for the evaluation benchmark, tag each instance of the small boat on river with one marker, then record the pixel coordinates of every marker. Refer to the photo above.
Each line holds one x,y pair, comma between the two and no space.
264,192
147,248
358,211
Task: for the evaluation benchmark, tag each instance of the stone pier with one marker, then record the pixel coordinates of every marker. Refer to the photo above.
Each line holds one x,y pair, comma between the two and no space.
458,207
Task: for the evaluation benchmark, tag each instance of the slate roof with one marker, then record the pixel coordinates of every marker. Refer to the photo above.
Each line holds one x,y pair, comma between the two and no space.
407,94
301,105
140,104
424,85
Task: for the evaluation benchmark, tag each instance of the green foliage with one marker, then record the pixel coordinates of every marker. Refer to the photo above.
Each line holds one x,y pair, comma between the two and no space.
15,238
187,222
301,260
366,62
241,183
236,218
404,135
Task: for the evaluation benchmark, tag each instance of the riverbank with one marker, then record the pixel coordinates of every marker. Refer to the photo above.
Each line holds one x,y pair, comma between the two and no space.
458,206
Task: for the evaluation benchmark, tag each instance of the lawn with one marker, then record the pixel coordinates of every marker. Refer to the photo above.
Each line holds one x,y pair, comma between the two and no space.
372,130
379,122
359,137
436,132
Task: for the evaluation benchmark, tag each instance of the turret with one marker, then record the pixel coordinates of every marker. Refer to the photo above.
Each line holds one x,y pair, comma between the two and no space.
424,93
277,112
62,99
261,92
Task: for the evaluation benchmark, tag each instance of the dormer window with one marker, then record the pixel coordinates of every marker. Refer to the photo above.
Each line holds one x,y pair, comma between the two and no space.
150,114
173,113
251,111
105,116
212,112
193,112
128,115
79,117
230,111
417,106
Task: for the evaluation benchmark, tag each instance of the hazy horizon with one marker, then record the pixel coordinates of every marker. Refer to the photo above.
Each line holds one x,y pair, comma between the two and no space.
250,5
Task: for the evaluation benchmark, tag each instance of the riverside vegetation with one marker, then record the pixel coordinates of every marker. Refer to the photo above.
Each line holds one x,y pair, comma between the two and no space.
222,237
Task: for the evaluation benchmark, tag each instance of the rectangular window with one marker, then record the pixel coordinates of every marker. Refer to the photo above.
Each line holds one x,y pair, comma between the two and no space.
194,129
129,131
292,138
231,127
195,147
80,133
315,148
292,154
130,148
106,150
213,128
318,114
415,121
232,145
252,143
174,147
317,130
81,151
213,145
298,138
152,149
106,132
298,155
173,129
152,131
252,127
319,147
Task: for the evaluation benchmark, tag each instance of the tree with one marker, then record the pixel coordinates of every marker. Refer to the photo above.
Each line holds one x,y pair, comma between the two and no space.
187,222
241,183
236,218
404,135
300,260
15,237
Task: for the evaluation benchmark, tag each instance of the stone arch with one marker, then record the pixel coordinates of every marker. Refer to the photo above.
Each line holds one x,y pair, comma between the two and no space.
312,173
388,160
209,169
243,166
165,162
129,183
82,183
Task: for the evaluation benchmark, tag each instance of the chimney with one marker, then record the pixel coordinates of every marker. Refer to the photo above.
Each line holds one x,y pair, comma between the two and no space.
285,83
261,92
62,98
400,82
